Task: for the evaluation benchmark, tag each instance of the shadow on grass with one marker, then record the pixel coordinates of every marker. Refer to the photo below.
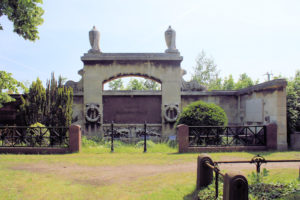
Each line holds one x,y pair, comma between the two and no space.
192,196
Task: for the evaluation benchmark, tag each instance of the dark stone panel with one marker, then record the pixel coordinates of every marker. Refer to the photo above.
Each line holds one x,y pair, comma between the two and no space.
132,109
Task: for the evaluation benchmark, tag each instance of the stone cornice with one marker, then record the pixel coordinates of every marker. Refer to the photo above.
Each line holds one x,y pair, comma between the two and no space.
89,58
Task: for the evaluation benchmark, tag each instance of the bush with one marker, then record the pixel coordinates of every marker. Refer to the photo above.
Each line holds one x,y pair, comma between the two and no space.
200,113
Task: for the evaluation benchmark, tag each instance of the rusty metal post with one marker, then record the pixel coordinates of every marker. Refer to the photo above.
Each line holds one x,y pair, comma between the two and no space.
112,137
235,187
204,173
145,137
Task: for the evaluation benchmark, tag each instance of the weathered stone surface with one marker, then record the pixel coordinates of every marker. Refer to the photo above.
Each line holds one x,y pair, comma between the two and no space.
170,36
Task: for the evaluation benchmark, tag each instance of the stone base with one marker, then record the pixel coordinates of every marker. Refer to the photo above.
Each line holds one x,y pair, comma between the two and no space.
295,141
282,147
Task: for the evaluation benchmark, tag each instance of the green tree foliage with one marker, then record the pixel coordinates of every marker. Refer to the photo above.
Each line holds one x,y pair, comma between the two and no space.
244,81
8,85
206,73
151,85
116,84
293,103
135,84
228,83
51,106
33,107
26,15
200,113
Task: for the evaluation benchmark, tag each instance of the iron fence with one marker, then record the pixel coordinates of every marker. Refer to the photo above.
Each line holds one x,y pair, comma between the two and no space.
258,160
227,136
24,136
111,133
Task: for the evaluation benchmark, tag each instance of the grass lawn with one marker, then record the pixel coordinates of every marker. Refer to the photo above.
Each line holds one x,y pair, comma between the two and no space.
95,173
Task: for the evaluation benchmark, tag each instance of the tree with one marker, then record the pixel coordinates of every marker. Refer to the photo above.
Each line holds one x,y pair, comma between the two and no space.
206,73
26,15
228,83
135,84
244,81
116,84
51,106
59,102
151,85
33,108
8,85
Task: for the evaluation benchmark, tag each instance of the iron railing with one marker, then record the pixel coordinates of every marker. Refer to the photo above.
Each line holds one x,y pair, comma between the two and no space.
258,160
24,136
141,135
227,136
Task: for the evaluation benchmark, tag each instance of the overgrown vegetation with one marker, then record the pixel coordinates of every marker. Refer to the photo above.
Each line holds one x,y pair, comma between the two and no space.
200,113
51,106
97,144
259,188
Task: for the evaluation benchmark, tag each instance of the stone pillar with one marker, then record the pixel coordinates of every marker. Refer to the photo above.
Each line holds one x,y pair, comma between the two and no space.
271,136
235,187
204,173
183,138
74,138
281,119
92,84
171,95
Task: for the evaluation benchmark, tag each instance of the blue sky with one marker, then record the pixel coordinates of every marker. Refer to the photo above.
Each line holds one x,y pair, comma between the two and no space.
252,37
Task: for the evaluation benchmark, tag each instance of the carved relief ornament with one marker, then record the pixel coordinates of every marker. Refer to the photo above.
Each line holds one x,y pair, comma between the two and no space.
92,114
171,112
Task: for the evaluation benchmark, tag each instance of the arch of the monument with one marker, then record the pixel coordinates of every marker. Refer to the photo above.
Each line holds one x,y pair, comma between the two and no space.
150,106
131,75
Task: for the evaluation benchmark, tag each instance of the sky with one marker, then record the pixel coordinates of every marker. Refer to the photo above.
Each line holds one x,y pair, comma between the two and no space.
249,36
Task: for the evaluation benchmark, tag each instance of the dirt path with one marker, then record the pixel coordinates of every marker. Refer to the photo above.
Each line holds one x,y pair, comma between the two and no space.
106,175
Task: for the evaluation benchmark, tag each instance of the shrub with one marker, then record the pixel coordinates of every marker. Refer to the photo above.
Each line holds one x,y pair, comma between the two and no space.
200,113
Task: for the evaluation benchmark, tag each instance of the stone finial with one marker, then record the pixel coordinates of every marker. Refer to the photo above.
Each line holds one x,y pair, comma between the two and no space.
94,36
170,36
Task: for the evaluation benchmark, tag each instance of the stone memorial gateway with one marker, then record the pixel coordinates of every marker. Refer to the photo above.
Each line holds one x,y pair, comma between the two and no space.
94,109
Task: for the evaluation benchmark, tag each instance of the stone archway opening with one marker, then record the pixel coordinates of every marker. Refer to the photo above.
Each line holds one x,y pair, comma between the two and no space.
134,103
132,83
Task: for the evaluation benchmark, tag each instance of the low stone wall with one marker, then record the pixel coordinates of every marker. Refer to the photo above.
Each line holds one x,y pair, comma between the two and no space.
74,145
183,142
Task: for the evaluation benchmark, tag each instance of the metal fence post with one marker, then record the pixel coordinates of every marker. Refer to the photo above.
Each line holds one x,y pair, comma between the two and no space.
145,137
112,137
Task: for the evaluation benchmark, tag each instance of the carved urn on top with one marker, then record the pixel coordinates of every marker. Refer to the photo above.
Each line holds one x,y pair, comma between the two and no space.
94,36
170,36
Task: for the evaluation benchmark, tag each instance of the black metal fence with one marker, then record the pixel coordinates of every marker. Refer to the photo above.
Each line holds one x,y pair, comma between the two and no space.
227,136
143,134
258,160
23,136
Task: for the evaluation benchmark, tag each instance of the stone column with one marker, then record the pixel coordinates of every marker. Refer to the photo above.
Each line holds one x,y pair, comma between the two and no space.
171,94
92,84
281,119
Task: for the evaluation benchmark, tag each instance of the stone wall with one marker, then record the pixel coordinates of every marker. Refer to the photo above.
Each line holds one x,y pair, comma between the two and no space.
225,99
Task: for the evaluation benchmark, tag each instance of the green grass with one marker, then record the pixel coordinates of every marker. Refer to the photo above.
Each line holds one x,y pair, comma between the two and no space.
35,184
